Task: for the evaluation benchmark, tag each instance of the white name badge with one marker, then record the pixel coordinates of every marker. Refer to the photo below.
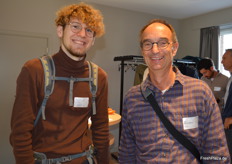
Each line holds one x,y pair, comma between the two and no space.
217,88
190,122
81,102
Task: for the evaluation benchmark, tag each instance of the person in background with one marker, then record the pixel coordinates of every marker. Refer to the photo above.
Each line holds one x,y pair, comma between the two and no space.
64,132
187,102
227,111
216,80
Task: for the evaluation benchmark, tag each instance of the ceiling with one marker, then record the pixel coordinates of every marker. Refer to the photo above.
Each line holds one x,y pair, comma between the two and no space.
177,9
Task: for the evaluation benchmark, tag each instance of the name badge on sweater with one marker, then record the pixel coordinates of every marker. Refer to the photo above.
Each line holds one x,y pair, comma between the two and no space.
217,89
81,102
190,122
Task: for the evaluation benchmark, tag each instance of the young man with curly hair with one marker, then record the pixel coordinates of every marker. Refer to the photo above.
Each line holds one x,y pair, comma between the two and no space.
62,137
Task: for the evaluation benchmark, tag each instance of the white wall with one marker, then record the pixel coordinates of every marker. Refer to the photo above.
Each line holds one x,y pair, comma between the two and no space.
31,46
121,38
190,30
37,18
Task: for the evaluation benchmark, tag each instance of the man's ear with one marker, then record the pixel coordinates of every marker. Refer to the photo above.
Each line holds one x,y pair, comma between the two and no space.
211,68
59,31
175,48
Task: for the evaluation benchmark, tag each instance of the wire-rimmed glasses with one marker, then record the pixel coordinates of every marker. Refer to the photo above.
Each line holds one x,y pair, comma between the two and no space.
77,27
148,45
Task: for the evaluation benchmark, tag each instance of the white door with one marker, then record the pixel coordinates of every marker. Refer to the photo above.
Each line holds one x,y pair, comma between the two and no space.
15,50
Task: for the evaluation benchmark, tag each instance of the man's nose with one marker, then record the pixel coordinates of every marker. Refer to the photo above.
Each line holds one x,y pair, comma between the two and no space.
155,48
82,32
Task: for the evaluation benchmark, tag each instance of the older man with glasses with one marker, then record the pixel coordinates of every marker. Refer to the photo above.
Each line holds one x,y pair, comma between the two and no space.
185,124
227,111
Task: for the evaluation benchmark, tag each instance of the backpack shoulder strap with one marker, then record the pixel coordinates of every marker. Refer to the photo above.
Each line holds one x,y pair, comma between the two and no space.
49,76
93,74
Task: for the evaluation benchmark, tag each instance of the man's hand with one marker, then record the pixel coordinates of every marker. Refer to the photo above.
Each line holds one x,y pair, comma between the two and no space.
228,122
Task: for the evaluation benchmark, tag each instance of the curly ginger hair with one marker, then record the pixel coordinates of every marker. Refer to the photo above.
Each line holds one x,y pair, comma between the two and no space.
84,13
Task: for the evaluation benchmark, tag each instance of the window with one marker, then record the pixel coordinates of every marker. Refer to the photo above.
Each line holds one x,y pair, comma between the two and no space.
225,41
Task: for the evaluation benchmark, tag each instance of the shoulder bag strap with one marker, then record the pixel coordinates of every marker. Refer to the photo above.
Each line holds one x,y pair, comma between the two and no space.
169,126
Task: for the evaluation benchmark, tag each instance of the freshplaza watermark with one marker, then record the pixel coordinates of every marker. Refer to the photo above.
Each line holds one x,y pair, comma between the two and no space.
213,158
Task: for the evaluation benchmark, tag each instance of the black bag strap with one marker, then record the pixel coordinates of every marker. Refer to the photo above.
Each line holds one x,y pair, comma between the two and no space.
148,95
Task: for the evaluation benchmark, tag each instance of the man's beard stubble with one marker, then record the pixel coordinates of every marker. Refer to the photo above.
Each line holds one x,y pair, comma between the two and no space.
76,54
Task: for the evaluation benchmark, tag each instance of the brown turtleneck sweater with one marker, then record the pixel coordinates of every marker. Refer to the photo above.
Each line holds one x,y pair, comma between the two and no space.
64,131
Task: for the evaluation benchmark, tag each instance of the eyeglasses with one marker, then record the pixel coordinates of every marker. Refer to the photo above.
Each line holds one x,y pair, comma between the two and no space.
148,45
77,27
